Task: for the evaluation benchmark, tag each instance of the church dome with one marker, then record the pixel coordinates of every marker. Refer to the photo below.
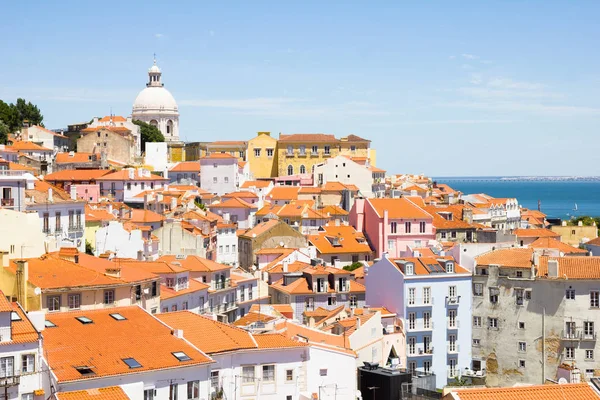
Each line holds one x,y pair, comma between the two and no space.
155,98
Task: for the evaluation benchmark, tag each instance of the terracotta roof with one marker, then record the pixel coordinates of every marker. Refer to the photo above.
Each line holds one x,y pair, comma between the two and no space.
594,242
233,202
398,208
158,267
300,286
22,331
113,118
195,263
421,265
213,156
284,193
579,391
308,138
5,305
186,166
574,267
123,175
226,143
261,228
39,195
507,258
417,200
19,167
425,251
143,216
354,138
332,186
253,317
333,210
455,211
76,175
66,158
27,146
346,239
276,341
241,195
104,344
193,287
116,129
105,393
257,184
309,190
537,233
316,338
97,214
551,243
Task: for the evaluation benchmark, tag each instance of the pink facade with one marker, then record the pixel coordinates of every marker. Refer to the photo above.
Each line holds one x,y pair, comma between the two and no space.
379,229
87,192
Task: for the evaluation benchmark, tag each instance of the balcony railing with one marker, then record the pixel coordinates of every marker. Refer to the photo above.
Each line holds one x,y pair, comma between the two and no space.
75,228
570,335
419,302
420,352
7,202
591,336
476,374
453,324
453,348
450,300
452,373
9,381
420,326
9,172
220,285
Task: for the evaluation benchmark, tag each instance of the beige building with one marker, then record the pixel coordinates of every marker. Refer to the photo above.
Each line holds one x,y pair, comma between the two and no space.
575,235
117,142
196,150
263,156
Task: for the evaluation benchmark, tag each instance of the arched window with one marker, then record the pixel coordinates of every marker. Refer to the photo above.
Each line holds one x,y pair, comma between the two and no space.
302,169
290,170
154,122
169,127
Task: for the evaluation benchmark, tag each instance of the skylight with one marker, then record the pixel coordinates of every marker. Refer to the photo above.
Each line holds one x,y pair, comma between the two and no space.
49,324
132,363
85,370
181,356
14,316
118,317
84,320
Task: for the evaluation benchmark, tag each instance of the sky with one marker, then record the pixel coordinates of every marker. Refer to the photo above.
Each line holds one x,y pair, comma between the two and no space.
464,88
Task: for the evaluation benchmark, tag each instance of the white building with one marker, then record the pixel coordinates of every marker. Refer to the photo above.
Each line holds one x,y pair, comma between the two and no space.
157,156
12,188
342,169
433,297
45,138
21,235
227,240
125,241
127,184
218,173
20,352
124,347
155,105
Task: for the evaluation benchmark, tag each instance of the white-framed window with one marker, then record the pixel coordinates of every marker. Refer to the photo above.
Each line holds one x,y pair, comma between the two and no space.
443,235
422,226
452,319
109,296
411,320
476,322
193,390
407,227
594,299
412,345
426,295
289,375
521,363
426,319
588,330
269,152
226,179
214,179
522,347
521,325
411,295
426,366
476,342
53,303
391,244
492,323
290,170
257,152
248,374
569,353
315,149
589,373
519,296
394,227
451,291
27,363
302,149
327,149
478,289
570,294
7,367
27,396
451,343
589,354
302,169
74,301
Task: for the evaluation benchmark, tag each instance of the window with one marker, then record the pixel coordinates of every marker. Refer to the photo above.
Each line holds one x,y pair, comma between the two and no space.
268,373
315,150
117,317
74,301
528,295
453,234
394,227
519,296
522,347
476,322
588,330
411,295
494,292
226,179
570,294
327,149
173,391
290,170
174,307
452,343
521,363
53,303
6,367
589,354
412,341
478,289
181,356
248,374
27,363
391,244
594,299
412,366
452,291
476,342
154,289
109,297
452,319
309,303
214,179
132,363
411,320
257,152
519,274
353,301
302,169
407,227
193,390
269,152
569,353
289,375
521,325
323,372
422,227
426,295
332,301
589,373
184,305
57,222
493,323
443,235
426,320
302,150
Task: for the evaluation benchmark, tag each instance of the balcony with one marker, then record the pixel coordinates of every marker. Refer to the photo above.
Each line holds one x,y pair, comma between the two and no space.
417,327
314,154
453,324
7,202
419,302
420,352
302,153
452,300
453,348
589,336
326,154
570,335
75,229
452,373
10,381
11,173
475,374
220,285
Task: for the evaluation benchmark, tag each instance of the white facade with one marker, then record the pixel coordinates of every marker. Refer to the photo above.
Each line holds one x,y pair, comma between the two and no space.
45,138
157,155
436,310
12,188
342,169
62,223
227,241
155,105
126,190
21,234
123,243
218,175
331,373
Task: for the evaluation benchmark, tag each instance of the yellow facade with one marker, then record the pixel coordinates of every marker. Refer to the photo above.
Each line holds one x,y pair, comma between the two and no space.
176,153
574,235
263,156
194,151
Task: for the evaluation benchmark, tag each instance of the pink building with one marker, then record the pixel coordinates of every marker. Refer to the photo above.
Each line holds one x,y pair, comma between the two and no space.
392,224
89,192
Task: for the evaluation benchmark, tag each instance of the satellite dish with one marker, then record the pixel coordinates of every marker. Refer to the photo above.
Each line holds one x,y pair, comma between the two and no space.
37,291
562,381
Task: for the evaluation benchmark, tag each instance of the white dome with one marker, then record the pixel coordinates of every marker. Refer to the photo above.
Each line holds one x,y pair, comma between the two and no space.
155,98
154,68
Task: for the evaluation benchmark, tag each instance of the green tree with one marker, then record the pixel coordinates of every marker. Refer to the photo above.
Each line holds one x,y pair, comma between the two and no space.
353,266
148,133
9,115
89,249
28,111
3,132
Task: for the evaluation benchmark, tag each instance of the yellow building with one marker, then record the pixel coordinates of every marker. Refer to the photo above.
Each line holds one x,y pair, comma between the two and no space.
263,156
298,153
196,150
575,235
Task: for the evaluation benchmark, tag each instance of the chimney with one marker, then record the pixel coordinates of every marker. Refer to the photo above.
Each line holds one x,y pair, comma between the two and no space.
166,173
357,322
50,197
337,222
73,190
130,173
69,254
285,266
173,203
178,333
109,208
5,258
22,279
467,215
113,272
553,270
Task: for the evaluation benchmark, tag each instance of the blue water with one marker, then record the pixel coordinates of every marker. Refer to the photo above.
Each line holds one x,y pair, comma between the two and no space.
557,198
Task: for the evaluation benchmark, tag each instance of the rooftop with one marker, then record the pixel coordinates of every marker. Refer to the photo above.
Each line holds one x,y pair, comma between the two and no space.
400,208
579,391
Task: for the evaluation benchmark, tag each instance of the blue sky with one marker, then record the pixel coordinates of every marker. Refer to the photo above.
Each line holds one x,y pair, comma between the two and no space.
442,88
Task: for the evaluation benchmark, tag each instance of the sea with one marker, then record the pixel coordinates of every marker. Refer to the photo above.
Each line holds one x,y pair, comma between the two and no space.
558,198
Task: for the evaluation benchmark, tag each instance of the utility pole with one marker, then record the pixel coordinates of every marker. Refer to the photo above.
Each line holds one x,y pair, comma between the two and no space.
543,345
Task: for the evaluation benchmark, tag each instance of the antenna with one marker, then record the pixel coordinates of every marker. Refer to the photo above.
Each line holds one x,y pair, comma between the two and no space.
154,58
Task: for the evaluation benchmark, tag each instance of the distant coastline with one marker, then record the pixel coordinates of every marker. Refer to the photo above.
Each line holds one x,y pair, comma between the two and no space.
518,178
